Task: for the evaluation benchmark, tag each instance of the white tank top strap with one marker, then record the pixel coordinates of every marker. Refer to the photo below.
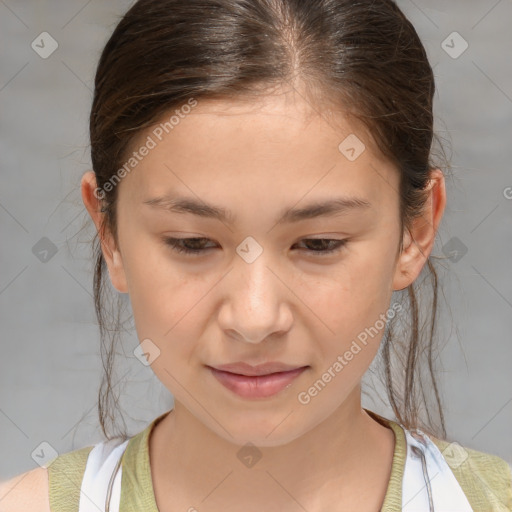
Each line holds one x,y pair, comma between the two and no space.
429,484
102,477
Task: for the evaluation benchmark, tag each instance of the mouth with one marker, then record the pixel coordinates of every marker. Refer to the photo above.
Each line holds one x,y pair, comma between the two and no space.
241,368
264,382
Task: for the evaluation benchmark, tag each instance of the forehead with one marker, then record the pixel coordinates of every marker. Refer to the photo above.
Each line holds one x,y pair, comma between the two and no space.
278,146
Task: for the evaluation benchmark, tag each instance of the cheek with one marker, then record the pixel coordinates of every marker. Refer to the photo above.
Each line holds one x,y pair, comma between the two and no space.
350,307
169,312
167,305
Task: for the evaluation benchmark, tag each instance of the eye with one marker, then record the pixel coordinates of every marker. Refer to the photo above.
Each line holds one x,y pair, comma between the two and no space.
196,243
195,246
320,244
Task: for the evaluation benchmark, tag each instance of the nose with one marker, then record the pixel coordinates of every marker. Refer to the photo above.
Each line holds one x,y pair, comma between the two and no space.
256,302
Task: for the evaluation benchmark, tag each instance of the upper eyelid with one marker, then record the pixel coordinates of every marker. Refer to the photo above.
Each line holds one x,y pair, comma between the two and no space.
204,238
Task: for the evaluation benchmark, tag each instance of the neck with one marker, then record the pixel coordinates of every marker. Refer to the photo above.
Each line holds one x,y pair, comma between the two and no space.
189,460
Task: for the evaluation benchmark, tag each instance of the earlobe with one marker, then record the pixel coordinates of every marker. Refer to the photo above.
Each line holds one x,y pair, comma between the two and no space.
420,237
407,263
115,266
111,253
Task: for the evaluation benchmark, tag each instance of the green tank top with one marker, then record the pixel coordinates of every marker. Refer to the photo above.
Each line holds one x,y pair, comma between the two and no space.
485,479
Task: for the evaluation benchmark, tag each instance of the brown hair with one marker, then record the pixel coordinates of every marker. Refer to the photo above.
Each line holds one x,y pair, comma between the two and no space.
364,57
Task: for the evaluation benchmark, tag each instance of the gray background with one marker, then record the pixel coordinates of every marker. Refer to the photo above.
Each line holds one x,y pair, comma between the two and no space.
50,368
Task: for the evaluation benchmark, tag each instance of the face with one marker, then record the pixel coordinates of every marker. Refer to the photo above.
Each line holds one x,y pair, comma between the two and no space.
305,290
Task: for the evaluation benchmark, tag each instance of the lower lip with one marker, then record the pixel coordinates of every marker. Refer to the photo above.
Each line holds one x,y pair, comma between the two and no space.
261,386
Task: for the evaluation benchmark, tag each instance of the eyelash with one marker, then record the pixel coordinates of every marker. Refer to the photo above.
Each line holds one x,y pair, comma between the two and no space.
174,244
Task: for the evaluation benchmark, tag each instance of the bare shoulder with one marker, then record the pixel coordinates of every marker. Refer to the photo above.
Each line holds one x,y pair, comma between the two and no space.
28,491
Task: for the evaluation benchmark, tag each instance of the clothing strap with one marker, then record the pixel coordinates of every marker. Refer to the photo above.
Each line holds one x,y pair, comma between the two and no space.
429,484
103,473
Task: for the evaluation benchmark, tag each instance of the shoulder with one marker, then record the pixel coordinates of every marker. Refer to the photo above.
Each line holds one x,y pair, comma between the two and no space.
65,474
486,479
28,491
55,488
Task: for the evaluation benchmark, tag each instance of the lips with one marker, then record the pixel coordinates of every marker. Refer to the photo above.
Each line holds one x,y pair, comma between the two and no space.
241,368
264,382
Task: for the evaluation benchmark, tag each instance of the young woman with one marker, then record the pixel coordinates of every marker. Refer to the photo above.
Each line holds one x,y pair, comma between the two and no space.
262,184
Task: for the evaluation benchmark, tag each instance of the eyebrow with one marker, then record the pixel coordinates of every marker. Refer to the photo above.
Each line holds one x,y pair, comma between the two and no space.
319,208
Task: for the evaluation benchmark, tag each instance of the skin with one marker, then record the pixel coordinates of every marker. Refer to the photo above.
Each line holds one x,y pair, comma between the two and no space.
289,305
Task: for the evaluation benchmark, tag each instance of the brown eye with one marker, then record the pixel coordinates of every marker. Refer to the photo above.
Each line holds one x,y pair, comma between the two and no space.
193,246
324,245
196,246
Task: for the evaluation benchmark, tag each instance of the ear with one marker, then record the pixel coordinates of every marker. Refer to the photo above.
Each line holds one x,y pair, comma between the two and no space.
91,197
419,239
